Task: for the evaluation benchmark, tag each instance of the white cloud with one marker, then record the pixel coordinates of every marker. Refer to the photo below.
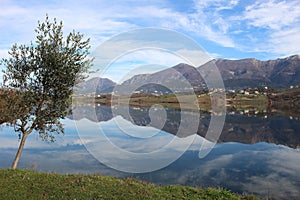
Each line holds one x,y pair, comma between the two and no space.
195,22
22,19
105,19
285,41
225,23
273,14
278,24
124,55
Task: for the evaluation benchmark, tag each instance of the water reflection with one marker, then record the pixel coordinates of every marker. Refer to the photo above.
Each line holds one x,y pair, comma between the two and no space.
247,158
242,128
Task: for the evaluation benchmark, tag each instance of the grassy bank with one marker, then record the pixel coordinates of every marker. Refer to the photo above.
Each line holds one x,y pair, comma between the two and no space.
25,184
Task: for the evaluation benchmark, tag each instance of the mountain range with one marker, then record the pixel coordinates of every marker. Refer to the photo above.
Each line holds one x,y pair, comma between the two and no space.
95,85
282,72
250,72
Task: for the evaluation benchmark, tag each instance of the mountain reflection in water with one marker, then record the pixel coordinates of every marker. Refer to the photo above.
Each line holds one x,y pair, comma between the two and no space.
246,159
237,128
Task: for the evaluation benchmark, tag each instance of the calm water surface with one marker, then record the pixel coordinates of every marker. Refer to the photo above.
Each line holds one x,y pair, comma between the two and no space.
256,153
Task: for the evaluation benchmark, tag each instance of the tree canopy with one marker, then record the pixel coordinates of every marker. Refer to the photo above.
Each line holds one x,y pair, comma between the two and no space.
40,78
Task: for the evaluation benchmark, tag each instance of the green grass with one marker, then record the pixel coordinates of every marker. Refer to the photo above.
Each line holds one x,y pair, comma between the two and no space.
25,184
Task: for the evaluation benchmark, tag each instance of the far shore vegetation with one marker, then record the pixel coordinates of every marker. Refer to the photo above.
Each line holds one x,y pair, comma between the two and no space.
252,100
284,102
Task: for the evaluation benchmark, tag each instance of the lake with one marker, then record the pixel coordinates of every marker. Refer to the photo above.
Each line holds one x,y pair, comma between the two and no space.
256,153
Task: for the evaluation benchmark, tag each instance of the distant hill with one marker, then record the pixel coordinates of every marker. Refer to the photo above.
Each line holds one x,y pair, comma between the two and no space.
181,77
282,72
178,72
250,72
95,85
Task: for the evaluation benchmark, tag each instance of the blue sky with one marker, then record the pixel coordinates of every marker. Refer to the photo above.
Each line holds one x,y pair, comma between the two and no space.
233,29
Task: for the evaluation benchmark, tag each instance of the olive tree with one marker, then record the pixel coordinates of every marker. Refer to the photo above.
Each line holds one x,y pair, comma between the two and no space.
40,78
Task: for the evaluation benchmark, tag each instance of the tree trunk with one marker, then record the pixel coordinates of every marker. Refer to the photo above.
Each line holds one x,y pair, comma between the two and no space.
20,150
